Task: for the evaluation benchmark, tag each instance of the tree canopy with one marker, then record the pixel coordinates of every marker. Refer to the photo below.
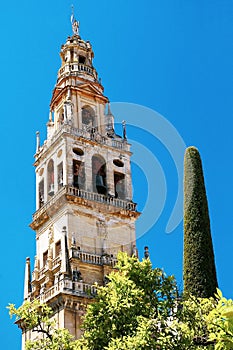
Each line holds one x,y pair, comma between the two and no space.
139,308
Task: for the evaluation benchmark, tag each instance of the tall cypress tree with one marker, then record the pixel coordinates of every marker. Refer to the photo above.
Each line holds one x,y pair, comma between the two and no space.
199,271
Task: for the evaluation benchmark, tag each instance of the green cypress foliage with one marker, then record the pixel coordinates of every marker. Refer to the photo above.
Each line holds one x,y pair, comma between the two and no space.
199,271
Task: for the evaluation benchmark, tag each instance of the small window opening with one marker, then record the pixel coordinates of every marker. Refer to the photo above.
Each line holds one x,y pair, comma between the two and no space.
57,248
78,151
45,258
82,59
118,163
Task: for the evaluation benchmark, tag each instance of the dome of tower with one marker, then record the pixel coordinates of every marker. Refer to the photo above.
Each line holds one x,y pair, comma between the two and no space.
77,59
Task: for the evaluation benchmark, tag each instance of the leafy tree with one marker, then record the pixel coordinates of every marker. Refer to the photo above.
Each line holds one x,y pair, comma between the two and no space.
37,318
138,309
199,266
133,296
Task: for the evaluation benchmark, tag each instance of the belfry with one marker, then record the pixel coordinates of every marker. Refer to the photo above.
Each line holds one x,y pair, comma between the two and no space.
84,209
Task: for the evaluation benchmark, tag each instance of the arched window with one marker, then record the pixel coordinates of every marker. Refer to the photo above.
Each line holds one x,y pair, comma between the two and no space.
78,174
82,59
99,174
50,178
119,184
61,116
41,193
88,118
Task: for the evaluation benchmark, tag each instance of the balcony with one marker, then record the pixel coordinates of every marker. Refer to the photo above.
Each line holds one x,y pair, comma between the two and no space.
101,198
91,196
56,262
70,68
120,144
67,286
94,258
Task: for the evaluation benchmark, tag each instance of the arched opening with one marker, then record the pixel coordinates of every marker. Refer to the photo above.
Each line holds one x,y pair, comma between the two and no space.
60,175
60,117
50,178
41,193
78,174
82,59
119,184
88,118
99,175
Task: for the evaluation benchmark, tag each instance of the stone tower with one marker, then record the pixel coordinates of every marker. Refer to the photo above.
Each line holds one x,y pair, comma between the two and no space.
84,209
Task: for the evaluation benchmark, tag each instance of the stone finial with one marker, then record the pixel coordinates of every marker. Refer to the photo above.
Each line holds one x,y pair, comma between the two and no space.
73,240
124,129
135,251
146,252
50,116
109,109
65,264
37,141
27,279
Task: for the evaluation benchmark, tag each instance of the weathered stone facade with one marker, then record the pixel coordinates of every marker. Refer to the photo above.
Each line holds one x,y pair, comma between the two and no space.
85,213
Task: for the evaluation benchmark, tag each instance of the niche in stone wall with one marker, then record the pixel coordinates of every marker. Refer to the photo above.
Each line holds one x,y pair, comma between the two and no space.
60,175
50,178
57,248
88,118
41,193
45,257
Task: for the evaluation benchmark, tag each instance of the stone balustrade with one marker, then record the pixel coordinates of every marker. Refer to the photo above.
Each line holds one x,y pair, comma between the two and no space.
93,258
76,67
101,198
120,144
92,196
67,286
56,261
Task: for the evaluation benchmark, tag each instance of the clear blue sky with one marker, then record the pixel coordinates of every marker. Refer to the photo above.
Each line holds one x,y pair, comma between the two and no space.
173,56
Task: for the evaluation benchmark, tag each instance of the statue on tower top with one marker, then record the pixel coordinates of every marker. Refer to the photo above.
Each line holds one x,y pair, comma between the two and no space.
75,23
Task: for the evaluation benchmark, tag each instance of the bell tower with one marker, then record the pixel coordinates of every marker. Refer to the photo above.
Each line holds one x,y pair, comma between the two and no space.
84,209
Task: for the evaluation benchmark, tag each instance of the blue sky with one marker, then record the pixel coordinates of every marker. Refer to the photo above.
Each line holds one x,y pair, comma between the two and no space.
173,56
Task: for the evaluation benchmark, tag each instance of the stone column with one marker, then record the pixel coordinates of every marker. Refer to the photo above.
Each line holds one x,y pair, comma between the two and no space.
128,181
88,171
79,112
110,177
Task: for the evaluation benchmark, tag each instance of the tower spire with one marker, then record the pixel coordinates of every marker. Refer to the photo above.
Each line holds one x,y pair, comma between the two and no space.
74,22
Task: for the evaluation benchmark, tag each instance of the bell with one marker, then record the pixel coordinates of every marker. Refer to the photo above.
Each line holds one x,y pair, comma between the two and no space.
99,181
51,190
101,188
